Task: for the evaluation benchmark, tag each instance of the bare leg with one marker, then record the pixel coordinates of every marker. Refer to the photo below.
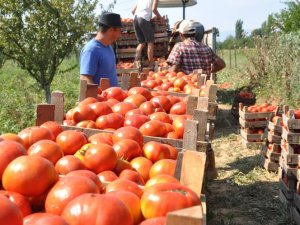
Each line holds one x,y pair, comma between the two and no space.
150,54
139,50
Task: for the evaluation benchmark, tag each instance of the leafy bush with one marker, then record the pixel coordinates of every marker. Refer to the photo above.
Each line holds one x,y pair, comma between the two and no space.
274,69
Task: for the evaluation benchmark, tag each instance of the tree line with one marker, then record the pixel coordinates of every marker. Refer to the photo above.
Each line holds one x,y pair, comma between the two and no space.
286,21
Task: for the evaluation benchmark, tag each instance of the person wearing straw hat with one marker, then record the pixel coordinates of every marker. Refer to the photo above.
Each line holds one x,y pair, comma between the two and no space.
97,58
191,54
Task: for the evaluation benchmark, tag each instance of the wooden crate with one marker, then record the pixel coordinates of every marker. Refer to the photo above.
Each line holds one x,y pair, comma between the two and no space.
289,170
289,148
272,155
245,114
289,121
269,165
251,137
287,203
286,190
290,159
253,124
290,137
252,145
276,128
273,138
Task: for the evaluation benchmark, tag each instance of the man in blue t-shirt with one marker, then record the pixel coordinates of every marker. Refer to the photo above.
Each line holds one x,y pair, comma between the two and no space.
97,58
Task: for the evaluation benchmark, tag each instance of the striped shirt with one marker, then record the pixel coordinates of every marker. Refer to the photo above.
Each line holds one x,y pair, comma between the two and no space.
190,55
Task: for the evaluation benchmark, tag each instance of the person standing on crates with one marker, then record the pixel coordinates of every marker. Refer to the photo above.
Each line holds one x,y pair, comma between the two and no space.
191,54
144,27
97,58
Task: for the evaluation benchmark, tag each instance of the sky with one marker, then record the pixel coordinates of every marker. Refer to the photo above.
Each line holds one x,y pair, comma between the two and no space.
221,14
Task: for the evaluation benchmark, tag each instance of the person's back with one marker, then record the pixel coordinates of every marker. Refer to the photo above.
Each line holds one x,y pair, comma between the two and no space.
193,55
144,9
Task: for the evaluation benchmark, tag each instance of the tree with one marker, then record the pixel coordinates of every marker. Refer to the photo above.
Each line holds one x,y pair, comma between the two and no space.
239,31
269,26
39,34
109,8
288,20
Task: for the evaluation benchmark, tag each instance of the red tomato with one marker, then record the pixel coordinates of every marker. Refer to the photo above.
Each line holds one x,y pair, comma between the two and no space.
47,149
163,166
150,107
67,189
97,209
122,164
9,150
115,92
173,151
19,200
132,202
172,135
136,99
67,164
38,175
180,83
166,86
140,90
178,109
132,176
87,124
297,114
71,140
136,120
142,165
156,151
178,124
54,127
161,116
45,219
162,220
161,178
88,174
100,157
88,100
31,135
111,102
123,107
134,112
83,112
154,128
100,108
174,99
105,138
164,101
112,120
124,185
129,133
11,137
9,212
156,202
69,123
107,176
127,149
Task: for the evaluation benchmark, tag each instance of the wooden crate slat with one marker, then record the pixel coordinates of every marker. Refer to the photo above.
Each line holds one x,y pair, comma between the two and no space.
245,114
189,216
57,99
45,112
274,138
290,137
290,122
251,137
290,159
276,128
252,124
272,156
287,192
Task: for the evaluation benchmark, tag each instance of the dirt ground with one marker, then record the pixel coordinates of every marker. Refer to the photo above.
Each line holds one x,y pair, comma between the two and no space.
244,192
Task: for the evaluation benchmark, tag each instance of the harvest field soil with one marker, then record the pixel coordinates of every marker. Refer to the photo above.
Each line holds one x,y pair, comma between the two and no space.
244,192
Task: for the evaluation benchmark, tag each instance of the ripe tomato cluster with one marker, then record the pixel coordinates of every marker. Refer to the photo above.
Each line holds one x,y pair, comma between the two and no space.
153,113
264,107
54,176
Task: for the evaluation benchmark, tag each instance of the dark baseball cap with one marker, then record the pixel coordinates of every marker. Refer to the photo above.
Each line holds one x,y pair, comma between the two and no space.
110,20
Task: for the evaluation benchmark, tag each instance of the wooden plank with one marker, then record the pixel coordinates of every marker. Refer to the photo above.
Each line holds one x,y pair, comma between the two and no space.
82,90
125,79
57,99
192,170
191,104
44,113
290,137
195,92
252,124
177,173
270,166
190,135
251,137
104,84
134,80
290,122
202,103
201,117
201,79
188,216
212,92
92,90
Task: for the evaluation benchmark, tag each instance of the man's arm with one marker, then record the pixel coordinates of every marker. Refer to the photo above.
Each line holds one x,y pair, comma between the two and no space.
155,11
218,65
88,78
133,10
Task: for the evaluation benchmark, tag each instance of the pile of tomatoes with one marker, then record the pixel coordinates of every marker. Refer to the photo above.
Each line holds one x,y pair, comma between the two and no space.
125,65
153,113
171,81
264,107
52,176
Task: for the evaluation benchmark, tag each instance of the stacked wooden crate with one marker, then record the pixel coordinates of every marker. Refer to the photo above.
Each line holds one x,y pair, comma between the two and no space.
289,174
271,151
126,45
253,125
